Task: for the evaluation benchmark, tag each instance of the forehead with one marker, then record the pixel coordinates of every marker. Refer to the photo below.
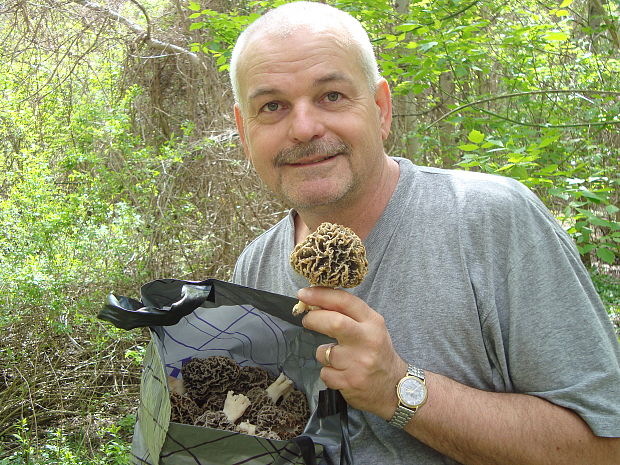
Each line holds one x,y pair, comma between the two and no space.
297,58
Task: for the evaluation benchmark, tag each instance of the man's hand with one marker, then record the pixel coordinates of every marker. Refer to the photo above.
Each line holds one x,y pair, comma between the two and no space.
363,366
473,427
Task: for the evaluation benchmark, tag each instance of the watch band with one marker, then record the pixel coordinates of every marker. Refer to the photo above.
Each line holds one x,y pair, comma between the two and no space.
403,414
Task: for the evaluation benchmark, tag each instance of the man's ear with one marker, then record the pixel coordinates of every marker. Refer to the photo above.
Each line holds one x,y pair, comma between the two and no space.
241,130
383,99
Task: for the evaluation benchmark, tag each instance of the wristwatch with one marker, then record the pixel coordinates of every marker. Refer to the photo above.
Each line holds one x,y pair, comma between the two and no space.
411,392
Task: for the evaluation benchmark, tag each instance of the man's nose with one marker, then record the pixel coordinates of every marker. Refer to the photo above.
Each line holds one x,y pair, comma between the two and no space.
306,123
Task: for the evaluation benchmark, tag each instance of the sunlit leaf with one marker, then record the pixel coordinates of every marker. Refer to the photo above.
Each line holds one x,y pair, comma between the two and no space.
556,36
475,136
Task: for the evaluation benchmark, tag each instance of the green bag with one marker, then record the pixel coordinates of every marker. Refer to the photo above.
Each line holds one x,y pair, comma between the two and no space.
201,319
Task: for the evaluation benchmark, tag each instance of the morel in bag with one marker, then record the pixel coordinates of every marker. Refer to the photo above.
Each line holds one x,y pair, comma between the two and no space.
218,393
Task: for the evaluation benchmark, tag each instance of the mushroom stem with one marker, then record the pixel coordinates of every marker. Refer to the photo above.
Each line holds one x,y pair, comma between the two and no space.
235,406
246,427
302,307
281,386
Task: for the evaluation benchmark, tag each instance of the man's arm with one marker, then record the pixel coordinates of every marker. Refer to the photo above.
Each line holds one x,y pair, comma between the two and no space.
467,424
478,427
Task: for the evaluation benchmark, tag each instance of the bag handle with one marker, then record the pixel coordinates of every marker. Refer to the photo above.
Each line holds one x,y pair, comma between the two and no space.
330,403
164,308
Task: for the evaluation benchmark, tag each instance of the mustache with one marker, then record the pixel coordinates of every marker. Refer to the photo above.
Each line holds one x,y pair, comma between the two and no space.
309,149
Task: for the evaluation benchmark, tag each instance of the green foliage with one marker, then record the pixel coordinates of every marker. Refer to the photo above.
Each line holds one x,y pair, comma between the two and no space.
512,88
63,449
608,287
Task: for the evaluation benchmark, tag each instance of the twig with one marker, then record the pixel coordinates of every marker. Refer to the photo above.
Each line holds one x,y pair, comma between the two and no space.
140,32
533,92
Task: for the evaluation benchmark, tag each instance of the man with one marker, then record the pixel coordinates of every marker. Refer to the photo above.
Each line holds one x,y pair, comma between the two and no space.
475,297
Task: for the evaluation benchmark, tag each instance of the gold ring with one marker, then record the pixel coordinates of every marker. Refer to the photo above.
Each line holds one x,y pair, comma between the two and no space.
328,352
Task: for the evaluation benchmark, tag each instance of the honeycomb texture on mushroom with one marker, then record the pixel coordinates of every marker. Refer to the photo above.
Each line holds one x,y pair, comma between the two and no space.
281,422
214,402
183,409
258,398
266,406
332,256
217,420
297,404
203,377
267,434
251,376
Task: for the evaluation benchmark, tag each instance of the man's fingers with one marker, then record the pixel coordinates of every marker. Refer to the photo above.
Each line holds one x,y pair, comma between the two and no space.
331,323
336,300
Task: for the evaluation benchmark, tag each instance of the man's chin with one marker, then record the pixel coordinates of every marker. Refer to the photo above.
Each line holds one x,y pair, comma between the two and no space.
313,200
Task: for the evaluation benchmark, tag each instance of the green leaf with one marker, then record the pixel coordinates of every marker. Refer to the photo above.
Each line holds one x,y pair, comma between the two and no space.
505,167
547,140
407,27
556,36
606,255
611,209
591,196
194,6
519,172
566,3
587,248
194,26
596,221
427,46
475,136
469,147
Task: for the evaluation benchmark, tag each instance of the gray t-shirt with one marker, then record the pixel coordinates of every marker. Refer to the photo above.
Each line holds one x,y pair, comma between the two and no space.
478,282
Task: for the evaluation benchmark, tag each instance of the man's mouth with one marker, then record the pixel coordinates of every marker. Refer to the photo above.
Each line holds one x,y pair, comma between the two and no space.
313,160
312,153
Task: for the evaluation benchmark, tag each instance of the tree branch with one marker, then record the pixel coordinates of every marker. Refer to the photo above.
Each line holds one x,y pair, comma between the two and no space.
145,35
533,92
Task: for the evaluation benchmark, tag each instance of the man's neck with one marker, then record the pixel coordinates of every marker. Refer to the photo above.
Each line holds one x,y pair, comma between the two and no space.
361,216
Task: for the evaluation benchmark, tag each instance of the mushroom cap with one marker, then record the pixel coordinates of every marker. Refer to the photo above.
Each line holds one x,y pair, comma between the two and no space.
332,256
183,408
203,377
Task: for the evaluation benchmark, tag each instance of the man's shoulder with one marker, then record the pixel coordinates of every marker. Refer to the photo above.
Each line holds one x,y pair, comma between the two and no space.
475,182
265,250
482,192
273,236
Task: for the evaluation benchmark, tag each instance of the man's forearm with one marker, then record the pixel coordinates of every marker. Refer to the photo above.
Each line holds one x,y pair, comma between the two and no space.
478,428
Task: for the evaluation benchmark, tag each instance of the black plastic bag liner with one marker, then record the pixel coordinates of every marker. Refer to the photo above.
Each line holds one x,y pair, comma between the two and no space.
201,319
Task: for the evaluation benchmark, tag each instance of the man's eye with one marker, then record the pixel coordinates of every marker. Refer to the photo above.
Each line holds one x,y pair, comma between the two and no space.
271,106
333,96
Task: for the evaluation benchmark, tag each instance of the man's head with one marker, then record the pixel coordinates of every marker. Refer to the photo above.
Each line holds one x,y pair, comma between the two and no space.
288,19
312,113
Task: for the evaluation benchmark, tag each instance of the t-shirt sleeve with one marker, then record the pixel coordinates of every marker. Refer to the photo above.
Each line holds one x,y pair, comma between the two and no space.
546,325
560,343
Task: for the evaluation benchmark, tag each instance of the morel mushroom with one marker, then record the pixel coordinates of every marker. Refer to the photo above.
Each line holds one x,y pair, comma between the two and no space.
183,409
234,407
332,256
251,376
296,403
280,387
270,408
259,398
268,414
204,377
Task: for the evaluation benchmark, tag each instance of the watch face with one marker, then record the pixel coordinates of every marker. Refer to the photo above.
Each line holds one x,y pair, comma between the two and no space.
412,391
